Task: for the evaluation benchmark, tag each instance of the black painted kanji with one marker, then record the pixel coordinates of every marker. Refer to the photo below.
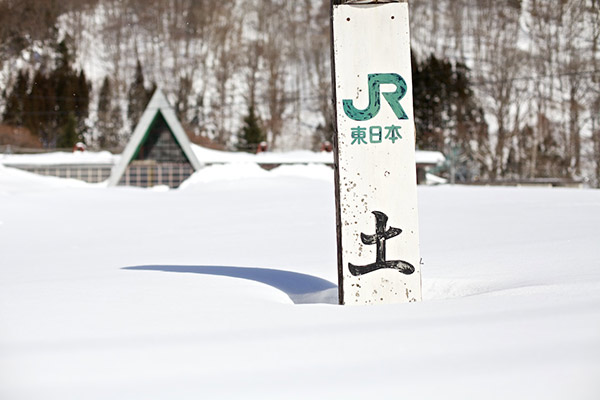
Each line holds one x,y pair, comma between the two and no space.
379,238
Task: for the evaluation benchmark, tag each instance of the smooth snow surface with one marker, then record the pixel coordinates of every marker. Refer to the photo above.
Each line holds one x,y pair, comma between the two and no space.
225,289
60,158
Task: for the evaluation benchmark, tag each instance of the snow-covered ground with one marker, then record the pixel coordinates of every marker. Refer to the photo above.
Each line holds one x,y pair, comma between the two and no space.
223,289
204,155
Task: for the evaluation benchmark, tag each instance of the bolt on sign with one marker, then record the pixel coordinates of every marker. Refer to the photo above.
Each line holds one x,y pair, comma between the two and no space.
376,192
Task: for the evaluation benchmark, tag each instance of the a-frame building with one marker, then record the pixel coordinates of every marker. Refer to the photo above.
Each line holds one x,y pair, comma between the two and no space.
159,151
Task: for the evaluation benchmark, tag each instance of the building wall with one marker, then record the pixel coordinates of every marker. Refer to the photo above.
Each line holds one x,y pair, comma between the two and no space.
149,174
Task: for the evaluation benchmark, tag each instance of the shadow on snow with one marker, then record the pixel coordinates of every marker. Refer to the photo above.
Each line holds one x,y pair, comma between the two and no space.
301,288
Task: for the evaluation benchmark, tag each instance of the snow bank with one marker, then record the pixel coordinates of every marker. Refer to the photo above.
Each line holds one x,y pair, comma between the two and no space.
210,156
14,180
225,172
311,171
227,292
60,158
244,171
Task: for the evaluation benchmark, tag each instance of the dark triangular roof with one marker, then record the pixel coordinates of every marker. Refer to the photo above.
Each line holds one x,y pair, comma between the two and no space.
158,105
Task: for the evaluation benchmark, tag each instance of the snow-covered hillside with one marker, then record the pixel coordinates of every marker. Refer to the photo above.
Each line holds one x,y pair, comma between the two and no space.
532,66
224,289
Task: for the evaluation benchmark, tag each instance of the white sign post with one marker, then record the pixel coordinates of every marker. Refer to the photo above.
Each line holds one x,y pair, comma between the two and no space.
376,195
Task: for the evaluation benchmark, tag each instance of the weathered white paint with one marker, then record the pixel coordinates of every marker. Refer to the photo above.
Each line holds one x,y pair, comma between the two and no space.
370,39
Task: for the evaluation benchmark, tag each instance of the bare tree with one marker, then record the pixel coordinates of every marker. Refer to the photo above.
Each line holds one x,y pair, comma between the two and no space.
275,51
227,36
317,59
502,61
594,21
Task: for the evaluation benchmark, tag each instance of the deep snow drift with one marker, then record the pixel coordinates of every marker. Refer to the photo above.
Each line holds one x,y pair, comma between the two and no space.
224,289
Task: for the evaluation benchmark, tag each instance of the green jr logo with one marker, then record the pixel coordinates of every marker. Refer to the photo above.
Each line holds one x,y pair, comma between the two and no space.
393,98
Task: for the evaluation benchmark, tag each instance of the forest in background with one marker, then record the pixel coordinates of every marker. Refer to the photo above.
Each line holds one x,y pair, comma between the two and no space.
506,89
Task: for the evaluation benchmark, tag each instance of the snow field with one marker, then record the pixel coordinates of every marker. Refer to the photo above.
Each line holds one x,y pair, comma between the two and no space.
224,289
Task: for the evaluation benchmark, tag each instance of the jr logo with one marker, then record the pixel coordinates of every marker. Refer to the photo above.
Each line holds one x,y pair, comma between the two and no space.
393,98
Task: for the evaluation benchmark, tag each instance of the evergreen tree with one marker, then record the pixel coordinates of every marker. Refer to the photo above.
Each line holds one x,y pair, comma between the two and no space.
16,100
64,58
445,107
41,109
447,116
84,88
252,134
138,96
104,97
52,101
150,93
183,94
431,103
72,91
103,113
65,84
108,130
116,126
68,134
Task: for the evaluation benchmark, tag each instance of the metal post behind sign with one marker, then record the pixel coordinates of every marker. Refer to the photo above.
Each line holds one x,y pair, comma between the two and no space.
376,195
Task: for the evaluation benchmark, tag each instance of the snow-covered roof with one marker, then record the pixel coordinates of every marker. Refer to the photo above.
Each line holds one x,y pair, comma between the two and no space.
202,154
158,104
429,157
61,158
209,156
